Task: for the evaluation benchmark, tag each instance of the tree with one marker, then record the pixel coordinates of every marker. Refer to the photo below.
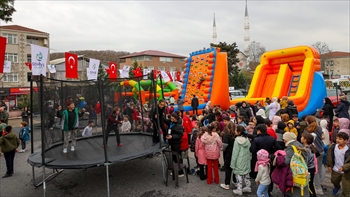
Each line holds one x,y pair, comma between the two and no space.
322,48
134,65
233,79
232,51
6,10
242,81
256,50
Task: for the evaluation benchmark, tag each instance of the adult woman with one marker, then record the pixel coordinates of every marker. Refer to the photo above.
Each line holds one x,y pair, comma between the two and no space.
274,107
25,115
245,111
174,135
316,131
328,112
343,108
155,117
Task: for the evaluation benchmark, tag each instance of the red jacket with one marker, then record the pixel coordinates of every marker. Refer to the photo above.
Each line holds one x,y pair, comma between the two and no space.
187,124
135,114
272,133
111,119
97,108
184,142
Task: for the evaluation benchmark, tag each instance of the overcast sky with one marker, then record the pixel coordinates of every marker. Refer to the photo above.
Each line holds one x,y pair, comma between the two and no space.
181,27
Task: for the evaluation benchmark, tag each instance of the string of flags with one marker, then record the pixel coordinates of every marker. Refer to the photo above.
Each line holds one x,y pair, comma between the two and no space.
38,66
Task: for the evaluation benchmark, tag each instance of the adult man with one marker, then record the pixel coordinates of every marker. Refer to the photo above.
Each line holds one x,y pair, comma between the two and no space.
180,105
4,115
194,104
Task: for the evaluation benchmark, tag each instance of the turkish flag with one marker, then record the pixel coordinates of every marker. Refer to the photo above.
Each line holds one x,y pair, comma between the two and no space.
155,74
29,65
137,72
71,66
178,76
2,53
112,71
159,73
169,74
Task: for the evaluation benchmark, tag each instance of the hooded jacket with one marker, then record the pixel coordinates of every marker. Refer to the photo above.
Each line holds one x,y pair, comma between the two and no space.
232,109
280,131
291,109
180,104
343,109
344,127
261,112
275,121
177,132
24,134
241,156
246,112
200,152
212,145
282,175
323,124
184,142
328,108
9,142
294,130
187,125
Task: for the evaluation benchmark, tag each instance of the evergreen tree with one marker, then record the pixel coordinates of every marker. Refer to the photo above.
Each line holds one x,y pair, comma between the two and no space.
232,50
242,81
233,79
6,10
102,74
134,65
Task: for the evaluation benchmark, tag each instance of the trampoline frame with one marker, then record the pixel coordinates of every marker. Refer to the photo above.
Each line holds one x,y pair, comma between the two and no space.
56,172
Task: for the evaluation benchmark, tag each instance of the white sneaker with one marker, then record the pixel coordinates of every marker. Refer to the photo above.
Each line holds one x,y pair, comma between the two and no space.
319,191
72,148
21,151
65,150
238,192
181,175
247,189
224,186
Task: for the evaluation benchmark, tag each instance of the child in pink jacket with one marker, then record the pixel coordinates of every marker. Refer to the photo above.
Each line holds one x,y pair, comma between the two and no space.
200,153
212,143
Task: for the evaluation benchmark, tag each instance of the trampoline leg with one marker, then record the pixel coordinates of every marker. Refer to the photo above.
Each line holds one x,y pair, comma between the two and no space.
44,181
107,164
165,179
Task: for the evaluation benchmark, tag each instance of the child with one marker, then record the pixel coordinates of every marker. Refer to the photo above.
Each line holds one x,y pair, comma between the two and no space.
261,111
251,126
171,110
233,117
24,136
290,128
240,161
334,132
344,127
88,129
187,126
126,126
136,120
263,179
275,120
222,124
285,118
241,121
212,145
195,132
284,102
338,162
307,139
279,132
303,123
9,143
295,118
270,131
326,141
200,153
227,147
138,128
193,121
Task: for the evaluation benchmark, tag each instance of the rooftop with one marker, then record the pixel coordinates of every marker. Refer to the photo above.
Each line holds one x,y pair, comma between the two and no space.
335,54
21,28
152,53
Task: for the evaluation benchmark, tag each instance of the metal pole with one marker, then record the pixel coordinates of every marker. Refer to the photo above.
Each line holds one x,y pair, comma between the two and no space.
156,106
107,174
142,123
42,132
31,125
102,118
62,103
44,181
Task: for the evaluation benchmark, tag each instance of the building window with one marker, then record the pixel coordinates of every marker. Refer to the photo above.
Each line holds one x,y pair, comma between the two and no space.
330,63
161,68
13,57
10,77
122,60
33,41
141,58
172,68
166,59
183,60
150,67
11,38
29,58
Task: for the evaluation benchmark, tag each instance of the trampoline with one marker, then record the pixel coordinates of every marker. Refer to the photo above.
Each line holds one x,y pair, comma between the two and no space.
90,153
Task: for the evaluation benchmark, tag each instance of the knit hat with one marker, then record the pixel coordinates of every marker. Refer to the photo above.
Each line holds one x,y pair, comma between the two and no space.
263,159
289,136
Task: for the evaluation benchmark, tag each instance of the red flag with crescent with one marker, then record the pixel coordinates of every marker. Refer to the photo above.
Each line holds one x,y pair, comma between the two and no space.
71,66
178,76
29,65
159,73
169,74
137,72
2,53
155,74
112,71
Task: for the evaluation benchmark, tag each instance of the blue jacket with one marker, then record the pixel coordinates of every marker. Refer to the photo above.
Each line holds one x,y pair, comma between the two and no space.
23,134
343,109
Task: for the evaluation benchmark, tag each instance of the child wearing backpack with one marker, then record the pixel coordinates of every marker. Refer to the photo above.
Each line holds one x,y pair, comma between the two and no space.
263,179
292,158
307,139
240,162
338,162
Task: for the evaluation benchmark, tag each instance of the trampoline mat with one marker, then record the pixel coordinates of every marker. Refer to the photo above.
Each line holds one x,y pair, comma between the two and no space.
90,153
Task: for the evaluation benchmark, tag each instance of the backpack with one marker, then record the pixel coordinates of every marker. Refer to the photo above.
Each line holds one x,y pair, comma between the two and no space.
206,122
301,176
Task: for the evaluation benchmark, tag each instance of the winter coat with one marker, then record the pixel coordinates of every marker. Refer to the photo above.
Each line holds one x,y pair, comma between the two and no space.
273,109
187,125
9,142
200,152
343,109
264,141
211,117
222,126
250,128
126,126
343,127
310,161
5,115
184,142
241,156
212,145
291,109
177,131
284,104
275,121
318,140
282,175
290,152
334,133
180,104
245,111
267,111
271,133
194,102
228,143
97,109
135,114
194,139
302,125
331,161
280,131
232,109
328,109
25,116
24,134
111,119
293,130
261,112
323,124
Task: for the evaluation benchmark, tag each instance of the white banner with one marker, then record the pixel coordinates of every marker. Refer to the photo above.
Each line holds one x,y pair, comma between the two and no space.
52,68
39,59
7,67
165,76
145,72
92,72
182,75
173,75
125,72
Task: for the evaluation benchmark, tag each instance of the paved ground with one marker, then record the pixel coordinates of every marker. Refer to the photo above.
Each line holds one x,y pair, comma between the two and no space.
141,177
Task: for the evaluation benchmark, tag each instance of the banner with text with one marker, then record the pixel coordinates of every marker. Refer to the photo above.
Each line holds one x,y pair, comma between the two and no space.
7,67
39,59
92,72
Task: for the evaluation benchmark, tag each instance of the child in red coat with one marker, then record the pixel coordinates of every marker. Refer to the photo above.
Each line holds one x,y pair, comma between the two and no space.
188,126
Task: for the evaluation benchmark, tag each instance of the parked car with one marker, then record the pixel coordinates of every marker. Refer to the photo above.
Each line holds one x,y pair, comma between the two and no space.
332,95
236,94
